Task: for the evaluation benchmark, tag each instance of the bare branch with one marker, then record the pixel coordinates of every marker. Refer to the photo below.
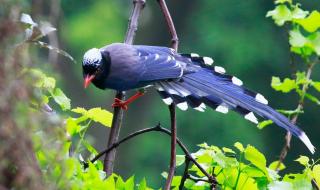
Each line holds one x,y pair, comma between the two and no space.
299,108
172,107
118,113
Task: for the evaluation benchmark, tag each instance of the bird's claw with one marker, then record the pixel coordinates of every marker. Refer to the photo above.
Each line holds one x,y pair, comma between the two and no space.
120,103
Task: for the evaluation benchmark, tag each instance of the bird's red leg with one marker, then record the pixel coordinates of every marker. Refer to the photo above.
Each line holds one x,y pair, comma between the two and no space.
124,104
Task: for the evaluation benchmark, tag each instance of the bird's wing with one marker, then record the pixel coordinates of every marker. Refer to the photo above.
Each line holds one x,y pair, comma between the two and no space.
158,63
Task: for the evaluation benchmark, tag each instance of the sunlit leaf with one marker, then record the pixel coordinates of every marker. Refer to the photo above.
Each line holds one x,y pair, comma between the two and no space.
303,160
296,39
312,98
316,173
276,165
280,14
61,99
280,185
239,146
180,160
96,114
255,157
72,126
311,23
283,1
286,86
129,184
264,124
298,13
316,85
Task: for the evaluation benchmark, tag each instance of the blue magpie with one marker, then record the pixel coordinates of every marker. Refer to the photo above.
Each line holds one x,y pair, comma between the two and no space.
186,80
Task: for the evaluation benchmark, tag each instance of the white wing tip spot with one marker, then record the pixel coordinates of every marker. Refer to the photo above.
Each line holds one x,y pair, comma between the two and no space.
183,106
236,81
307,142
222,109
208,60
251,117
156,57
260,98
219,69
167,101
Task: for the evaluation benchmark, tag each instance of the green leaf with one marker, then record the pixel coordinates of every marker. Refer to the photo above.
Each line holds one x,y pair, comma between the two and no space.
120,185
61,99
303,160
143,184
227,150
96,114
264,124
286,86
180,160
298,13
283,1
239,146
72,126
316,174
100,115
311,23
256,158
312,98
296,39
129,184
280,14
275,164
49,83
316,85
280,185
315,42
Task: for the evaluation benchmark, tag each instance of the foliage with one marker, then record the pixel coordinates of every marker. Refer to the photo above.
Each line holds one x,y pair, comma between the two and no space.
246,168
59,146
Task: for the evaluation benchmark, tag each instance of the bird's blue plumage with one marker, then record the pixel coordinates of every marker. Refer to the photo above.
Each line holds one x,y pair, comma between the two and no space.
186,80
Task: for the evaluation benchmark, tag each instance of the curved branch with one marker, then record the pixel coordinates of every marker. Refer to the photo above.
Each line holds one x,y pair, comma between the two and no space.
160,129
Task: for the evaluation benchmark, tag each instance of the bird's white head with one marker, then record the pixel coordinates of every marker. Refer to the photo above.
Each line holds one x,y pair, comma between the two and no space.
92,57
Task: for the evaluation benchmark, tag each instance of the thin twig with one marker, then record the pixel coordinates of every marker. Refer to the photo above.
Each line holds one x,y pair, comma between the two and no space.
172,107
172,30
185,173
299,108
160,129
118,112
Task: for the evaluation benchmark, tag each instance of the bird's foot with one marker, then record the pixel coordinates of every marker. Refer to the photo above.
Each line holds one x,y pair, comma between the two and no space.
120,103
124,104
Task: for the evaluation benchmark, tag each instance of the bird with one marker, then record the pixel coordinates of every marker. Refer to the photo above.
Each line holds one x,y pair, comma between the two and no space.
185,80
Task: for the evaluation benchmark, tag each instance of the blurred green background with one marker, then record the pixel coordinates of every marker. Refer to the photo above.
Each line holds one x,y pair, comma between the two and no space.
235,33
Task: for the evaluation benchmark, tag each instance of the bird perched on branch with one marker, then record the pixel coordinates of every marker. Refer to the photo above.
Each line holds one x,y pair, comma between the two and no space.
187,80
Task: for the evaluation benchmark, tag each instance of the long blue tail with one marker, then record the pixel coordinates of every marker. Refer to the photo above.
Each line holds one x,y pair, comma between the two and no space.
222,93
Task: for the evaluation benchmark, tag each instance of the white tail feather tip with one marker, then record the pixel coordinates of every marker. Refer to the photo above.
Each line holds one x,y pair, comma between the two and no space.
222,109
194,55
251,117
183,106
237,81
219,69
260,98
208,60
167,101
303,137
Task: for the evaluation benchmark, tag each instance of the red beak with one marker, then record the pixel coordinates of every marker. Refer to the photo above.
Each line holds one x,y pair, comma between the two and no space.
87,80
